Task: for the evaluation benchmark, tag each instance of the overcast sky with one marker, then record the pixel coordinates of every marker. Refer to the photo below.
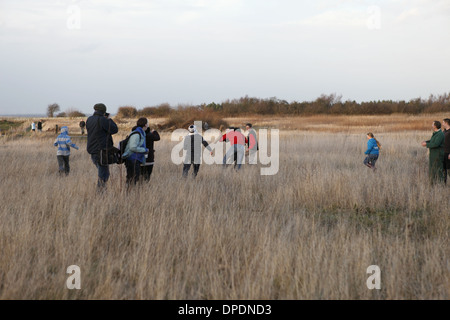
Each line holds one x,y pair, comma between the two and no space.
143,53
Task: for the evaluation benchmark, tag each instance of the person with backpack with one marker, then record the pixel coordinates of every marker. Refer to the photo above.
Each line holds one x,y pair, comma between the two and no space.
100,129
64,143
147,168
372,152
135,151
82,126
192,143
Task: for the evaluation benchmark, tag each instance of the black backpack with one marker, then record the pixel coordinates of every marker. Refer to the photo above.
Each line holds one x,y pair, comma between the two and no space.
122,146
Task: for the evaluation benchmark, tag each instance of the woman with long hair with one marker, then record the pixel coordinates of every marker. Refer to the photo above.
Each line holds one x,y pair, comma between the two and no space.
372,152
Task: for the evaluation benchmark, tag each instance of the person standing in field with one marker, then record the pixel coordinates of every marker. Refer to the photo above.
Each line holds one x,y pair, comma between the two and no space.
372,152
252,144
193,145
33,126
39,126
100,129
64,143
436,147
147,168
82,126
446,163
135,151
237,141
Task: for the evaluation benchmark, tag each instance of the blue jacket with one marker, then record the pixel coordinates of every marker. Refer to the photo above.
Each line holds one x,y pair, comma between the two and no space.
372,147
64,143
136,149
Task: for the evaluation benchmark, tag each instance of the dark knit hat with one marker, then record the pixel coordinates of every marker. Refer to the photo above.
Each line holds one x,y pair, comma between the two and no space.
100,107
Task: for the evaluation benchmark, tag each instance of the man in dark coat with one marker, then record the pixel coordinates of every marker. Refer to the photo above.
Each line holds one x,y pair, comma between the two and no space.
100,129
147,168
446,125
436,147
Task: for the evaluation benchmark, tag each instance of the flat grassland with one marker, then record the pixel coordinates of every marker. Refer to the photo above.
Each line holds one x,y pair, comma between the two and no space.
308,232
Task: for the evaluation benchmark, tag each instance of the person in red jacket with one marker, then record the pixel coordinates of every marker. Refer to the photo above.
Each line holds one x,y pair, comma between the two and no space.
237,150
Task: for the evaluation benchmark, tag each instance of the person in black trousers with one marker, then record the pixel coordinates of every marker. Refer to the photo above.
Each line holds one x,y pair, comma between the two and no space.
147,167
446,125
193,146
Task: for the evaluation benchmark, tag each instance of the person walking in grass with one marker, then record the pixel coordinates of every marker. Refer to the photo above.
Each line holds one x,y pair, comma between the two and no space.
135,151
193,145
237,149
100,128
64,143
147,168
446,163
39,126
252,143
82,125
372,152
436,156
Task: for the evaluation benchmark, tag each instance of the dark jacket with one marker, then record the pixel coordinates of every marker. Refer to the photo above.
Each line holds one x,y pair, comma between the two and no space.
447,141
100,131
150,138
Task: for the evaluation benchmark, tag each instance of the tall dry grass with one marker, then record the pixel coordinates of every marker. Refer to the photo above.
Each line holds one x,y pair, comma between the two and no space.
309,232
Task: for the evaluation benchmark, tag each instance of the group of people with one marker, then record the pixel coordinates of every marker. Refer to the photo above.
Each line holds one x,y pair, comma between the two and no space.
439,151
193,142
139,154
38,127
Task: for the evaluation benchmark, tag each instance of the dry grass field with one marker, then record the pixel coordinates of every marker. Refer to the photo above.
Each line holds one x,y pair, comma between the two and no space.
308,232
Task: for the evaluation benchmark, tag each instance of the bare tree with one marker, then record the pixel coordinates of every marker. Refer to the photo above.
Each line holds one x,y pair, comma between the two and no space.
51,109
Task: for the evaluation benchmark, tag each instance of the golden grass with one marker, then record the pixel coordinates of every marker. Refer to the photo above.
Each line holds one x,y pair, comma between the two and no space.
342,123
309,232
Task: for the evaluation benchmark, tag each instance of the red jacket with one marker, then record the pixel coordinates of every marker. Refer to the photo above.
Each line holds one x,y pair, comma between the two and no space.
234,137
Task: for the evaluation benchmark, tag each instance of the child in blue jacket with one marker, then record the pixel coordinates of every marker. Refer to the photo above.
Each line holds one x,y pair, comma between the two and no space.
63,142
372,152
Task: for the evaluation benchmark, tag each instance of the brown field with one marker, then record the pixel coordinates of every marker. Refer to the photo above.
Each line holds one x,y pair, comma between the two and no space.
308,232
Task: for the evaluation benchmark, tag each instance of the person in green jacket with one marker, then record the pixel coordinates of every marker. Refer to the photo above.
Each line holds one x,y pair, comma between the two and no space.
436,147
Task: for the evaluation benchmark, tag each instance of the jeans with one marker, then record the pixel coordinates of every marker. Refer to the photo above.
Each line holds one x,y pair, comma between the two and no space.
133,171
370,160
237,149
252,156
103,171
63,163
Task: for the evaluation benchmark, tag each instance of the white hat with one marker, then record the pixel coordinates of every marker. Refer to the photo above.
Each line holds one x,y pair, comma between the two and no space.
192,128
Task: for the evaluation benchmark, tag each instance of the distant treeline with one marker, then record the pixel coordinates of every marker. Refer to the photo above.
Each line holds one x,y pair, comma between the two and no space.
325,104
